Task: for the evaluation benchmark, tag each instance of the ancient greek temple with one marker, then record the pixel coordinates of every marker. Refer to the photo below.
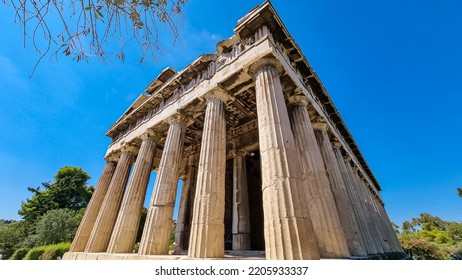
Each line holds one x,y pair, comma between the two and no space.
268,167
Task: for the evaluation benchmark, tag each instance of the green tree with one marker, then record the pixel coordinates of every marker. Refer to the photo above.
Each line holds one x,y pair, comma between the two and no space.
37,205
459,191
69,190
11,237
429,237
6,222
57,226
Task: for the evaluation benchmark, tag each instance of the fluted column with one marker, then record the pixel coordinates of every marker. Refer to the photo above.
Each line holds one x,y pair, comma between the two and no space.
382,226
241,216
158,225
324,213
207,228
126,228
91,213
366,211
370,214
288,229
394,241
344,205
370,230
101,233
186,193
355,200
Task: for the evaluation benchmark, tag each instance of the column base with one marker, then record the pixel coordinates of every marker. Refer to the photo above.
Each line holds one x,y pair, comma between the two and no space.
229,255
241,241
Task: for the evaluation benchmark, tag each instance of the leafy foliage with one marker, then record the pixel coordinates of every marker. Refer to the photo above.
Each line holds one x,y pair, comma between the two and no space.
11,237
4,222
55,251
19,254
49,252
56,226
171,244
431,238
38,205
83,28
35,253
68,191
50,216
459,191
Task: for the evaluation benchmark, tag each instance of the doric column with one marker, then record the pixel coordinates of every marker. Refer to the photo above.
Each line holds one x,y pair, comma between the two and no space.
370,214
344,205
394,241
381,225
158,225
288,229
241,216
374,215
365,211
183,217
101,233
355,200
126,228
324,213
207,228
91,213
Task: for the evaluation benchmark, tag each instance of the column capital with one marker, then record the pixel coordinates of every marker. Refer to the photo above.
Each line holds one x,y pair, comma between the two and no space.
320,126
355,168
112,158
217,94
150,133
299,99
336,145
177,118
239,153
262,63
129,149
347,158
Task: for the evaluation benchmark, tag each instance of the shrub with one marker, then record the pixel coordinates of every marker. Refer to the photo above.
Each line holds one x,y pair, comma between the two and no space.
54,251
19,254
49,252
35,253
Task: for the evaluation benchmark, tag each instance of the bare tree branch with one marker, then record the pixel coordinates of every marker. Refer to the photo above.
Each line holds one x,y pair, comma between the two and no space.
84,28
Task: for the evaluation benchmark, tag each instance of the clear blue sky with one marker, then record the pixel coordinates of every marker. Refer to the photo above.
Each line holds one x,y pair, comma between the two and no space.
393,69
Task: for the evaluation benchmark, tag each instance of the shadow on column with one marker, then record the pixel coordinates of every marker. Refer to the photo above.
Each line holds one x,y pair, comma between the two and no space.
257,237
